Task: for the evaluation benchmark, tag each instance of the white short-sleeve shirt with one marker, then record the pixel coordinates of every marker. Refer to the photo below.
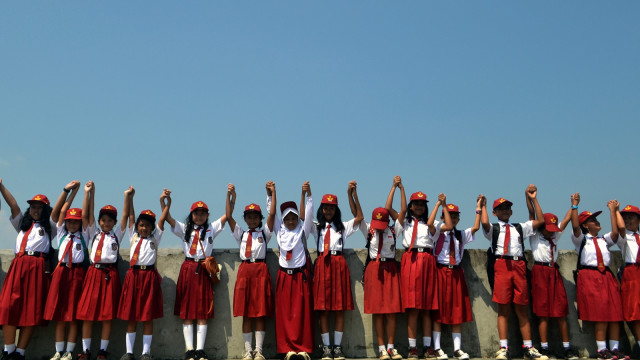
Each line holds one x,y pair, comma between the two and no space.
110,243
213,230
336,239
148,248
515,244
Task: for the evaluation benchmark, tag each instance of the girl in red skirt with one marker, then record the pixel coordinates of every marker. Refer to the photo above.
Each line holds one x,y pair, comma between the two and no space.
25,286
194,293
597,290
418,281
253,292
629,243
294,308
68,276
101,289
381,281
141,299
453,295
331,279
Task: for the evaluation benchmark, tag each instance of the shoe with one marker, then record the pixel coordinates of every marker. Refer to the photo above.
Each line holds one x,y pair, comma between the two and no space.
290,355
5,355
257,355
570,354
102,355
304,356
604,354
502,354
56,356
247,355
201,355
619,355
440,355
384,355
326,353
146,356
546,353
85,355
460,355
190,355
128,356
67,356
337,353
413,353
531,353
429,353
394,354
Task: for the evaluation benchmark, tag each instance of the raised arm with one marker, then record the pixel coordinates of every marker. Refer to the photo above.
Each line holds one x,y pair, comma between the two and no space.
532,193
621,228
11,201
229,205
389,204
614,206
87,206
352,205
527,200
70,189
306,189
271,192
166,196
355,203
566,220
307,211
575,222
484,219
126,208
476,223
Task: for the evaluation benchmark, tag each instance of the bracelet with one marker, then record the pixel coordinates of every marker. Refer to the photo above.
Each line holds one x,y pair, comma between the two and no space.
66,190
574,207
478,212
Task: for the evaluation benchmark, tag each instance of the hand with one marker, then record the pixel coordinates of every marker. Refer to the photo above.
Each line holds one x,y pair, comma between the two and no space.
306,188
442,198
271,187
532,191
130,191
72,185
479,200
88,186
613,205
166,194
575,199
397,181
352,187
231,189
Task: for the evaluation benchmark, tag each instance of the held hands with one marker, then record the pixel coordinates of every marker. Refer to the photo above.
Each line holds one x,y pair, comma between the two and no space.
397,181
73,185
271,187
482,201
352,187
165,198
575,199
130,191
306,188
442,199
532,191
89,186
613,205
231,189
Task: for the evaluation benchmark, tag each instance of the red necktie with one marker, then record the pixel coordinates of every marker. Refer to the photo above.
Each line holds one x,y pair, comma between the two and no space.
194,244
327,240
552,245
439,244
414,235
507,239
637,242
23,244
289,254
452,249
136,253
247,249
380,238
598,255
69,250
96,259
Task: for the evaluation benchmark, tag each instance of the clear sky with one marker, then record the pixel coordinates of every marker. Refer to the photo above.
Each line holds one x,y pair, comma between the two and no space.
460,97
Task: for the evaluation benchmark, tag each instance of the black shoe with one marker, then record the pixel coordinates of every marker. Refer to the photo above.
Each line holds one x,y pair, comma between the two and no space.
619,355
85,355
570,354
128,356
326,353
337,353
604,354
201,355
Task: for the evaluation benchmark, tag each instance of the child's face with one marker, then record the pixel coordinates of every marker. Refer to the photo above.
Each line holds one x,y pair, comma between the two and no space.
199,216
455,218
73,225
631,221
145,227
592,225
503,212
291,221
328,211
252,219
418,207
106,223
35,210
546,233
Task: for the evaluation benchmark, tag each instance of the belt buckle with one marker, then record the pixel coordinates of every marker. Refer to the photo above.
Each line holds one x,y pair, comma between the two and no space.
143,267
550,265
450,266
333,252
383,259
252,260
516,258
31,252
97,266
289,271
420,249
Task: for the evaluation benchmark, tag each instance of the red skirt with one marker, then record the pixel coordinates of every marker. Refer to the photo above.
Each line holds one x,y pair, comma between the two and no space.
141,298
453,297
294,312
24,292
419,281
382,288
548,297
510,282
100,294
631,293
253,292
194,293
598,296
64,293
332,284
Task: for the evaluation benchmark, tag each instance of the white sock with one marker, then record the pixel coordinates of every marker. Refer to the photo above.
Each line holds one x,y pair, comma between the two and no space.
9,348
130,340
567,345
247,340
86,344
601,345
613,344
71,346
389,347
337,338
436,339
412,342
457,340
381,349
20,351
504,343
104,344
527,343
259,340
325,339
544,345
201,336
59,346
187,331
146,344
426,341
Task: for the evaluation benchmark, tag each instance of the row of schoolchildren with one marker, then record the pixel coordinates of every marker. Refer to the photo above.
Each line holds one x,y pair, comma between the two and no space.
431,281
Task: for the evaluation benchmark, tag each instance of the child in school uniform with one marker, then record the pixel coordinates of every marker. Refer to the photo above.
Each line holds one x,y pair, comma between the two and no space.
629,243
194,291
253,292
331,279
548,296
510,270
382,281
418,281
454,306
597,290
102,286
141,299
25,287
294,305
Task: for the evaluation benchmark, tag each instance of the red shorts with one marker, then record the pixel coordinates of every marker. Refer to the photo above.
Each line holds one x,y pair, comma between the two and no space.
100,294
24,292
598,296
141,298
64,293
294,312
332,284
194,294
418,281
548,297
631,293
382,288
253,292
510,282
453,297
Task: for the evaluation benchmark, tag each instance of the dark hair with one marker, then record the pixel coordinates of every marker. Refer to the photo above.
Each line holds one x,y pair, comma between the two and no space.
44,219
145,217
424,217
191,225
337,219
113,217
244,216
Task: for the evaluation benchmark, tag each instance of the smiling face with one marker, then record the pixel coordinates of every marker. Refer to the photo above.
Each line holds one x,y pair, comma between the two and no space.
35,210
106,223
631,221
503,212
328,211
73,225
291,221
253,218
199,216
144,227
592,225
418,207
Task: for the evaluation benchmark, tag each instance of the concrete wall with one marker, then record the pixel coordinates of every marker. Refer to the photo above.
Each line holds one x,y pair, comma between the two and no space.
224,339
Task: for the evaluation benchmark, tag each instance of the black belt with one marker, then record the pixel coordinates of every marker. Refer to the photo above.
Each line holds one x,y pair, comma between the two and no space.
421,249
448,266
104,266
384,259
332,252
193,259
144,267
291,271
543,263
592,267
72,264
630,264
514,258
252,260
34,253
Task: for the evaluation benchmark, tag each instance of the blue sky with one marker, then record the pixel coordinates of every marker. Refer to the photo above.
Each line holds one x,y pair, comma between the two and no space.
456,97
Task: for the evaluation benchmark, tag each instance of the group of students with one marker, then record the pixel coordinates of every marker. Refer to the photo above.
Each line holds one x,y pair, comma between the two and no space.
428,285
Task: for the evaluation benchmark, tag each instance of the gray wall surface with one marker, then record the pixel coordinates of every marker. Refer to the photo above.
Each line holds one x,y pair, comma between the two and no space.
224,338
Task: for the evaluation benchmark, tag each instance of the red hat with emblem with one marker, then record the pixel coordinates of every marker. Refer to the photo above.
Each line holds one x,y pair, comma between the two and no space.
585,215
631,209
418,196
108,209
329,199
252,207
551,222
453,208
39,198
148,214
73,214
380,218
501,201
199,205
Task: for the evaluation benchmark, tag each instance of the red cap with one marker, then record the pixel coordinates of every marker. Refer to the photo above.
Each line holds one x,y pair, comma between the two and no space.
253,207
329,199
287,207
148,214
199,205
418,196
631,209
586,215
453,208
39,198
501,201
73,214
108,209
551,222
380,218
